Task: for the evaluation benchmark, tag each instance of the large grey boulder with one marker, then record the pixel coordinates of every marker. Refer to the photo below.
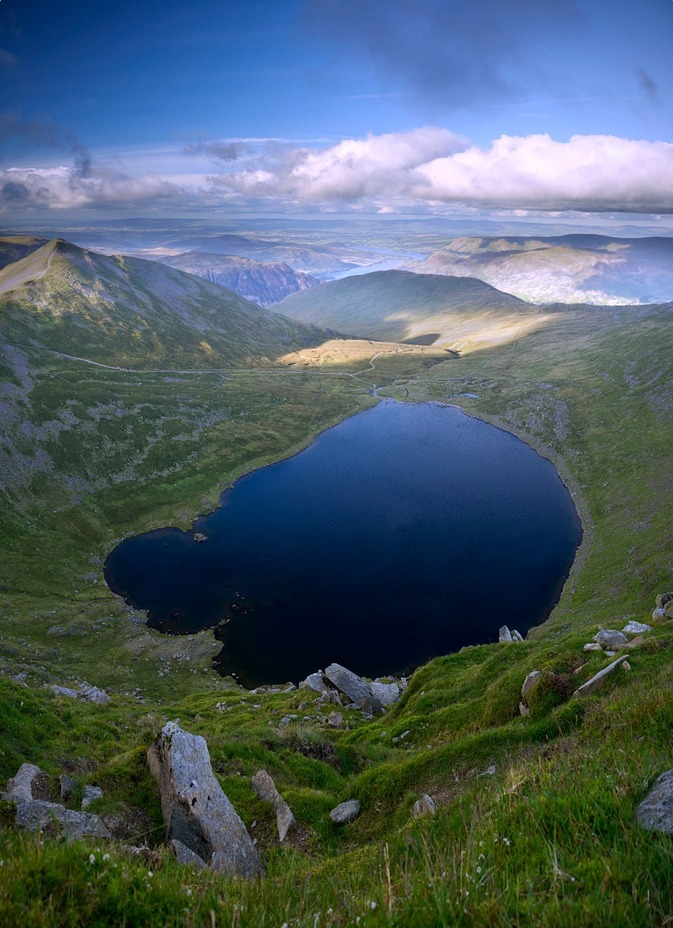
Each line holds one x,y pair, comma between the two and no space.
196,811
636,628
611,639
20,787
314,682
385,693
345,812
353,686
655,812
504,635
265,788
599,679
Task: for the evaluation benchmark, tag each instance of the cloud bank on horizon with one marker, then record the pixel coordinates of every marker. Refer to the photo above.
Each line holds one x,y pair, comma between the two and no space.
394,172
546,105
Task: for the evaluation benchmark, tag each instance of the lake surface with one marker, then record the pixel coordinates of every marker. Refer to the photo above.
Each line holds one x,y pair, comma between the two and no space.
403,533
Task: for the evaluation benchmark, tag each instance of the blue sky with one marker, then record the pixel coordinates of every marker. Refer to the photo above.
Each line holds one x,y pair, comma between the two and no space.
368,106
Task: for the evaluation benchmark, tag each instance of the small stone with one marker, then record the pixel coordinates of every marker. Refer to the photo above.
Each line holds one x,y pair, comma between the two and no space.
637,641
592,646
655,812
636,628
93,694
67,786
424,806
524,710
336,719
490,770
659,615
345,812
626,665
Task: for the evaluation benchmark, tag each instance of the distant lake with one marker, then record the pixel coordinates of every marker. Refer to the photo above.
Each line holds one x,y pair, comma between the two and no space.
403,533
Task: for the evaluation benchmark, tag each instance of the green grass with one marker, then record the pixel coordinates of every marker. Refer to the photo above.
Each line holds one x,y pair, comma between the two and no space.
592,390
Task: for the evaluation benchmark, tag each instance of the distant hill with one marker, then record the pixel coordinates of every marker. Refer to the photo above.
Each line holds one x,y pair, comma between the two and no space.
262,282
129,312
421,308
15,247
594,269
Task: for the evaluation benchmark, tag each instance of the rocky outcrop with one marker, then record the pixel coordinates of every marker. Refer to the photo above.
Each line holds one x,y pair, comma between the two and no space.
505,635
655,812
36,814
84,691
196,810
663,609
265,788
369,697
346,812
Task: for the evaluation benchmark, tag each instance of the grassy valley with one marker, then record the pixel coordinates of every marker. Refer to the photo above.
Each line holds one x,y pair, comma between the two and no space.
536,815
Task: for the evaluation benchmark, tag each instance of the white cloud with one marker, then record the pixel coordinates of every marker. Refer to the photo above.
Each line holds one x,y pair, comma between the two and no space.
430,165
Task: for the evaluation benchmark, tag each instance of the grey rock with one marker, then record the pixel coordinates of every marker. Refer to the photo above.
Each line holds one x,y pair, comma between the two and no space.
385,693
663,599
20,787
185,856
599,679
314,682
38,815
67,786
424,806
636,628
336,719
655,812
93,694
659,614
516,636
266,789
346,812
592,646
91,794
524,710
530,682
196,810
353,686
504,635
610,638
65,691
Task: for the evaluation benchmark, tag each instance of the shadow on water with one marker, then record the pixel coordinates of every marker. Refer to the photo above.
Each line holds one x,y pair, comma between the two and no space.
405,532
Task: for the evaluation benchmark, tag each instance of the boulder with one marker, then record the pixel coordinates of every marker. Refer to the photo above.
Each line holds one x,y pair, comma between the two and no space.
529,684
385,693
345,812
65,691
91,794
599,679
424,806
266,789
196,811
592,646
93,694
20,787
655,812
517,636
663,599
636,628
314,682
353,686
504,635
610,638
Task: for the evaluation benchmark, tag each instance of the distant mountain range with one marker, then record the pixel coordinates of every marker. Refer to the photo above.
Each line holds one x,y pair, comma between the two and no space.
262,282
128,312
455,312
569,268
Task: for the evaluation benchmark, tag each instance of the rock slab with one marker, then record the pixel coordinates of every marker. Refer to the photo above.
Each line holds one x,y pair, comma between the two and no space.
599,679
196,810
354,687
655,812
266,789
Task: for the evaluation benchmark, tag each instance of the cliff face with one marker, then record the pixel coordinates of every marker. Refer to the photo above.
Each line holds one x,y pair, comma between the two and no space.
261,282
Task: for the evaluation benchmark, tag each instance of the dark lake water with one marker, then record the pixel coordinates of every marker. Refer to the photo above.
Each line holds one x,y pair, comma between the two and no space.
405,532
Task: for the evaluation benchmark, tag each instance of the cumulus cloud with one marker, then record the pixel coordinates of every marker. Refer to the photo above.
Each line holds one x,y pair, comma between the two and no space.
430,165
355,168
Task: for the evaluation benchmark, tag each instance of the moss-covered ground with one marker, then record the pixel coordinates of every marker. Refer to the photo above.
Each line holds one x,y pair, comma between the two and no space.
536,820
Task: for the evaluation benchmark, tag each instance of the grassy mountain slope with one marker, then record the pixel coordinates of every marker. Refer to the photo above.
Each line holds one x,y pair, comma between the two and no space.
460,313
549,838
569,268
15,247
127,312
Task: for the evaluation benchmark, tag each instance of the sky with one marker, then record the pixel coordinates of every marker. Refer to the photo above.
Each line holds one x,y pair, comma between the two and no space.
338,107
